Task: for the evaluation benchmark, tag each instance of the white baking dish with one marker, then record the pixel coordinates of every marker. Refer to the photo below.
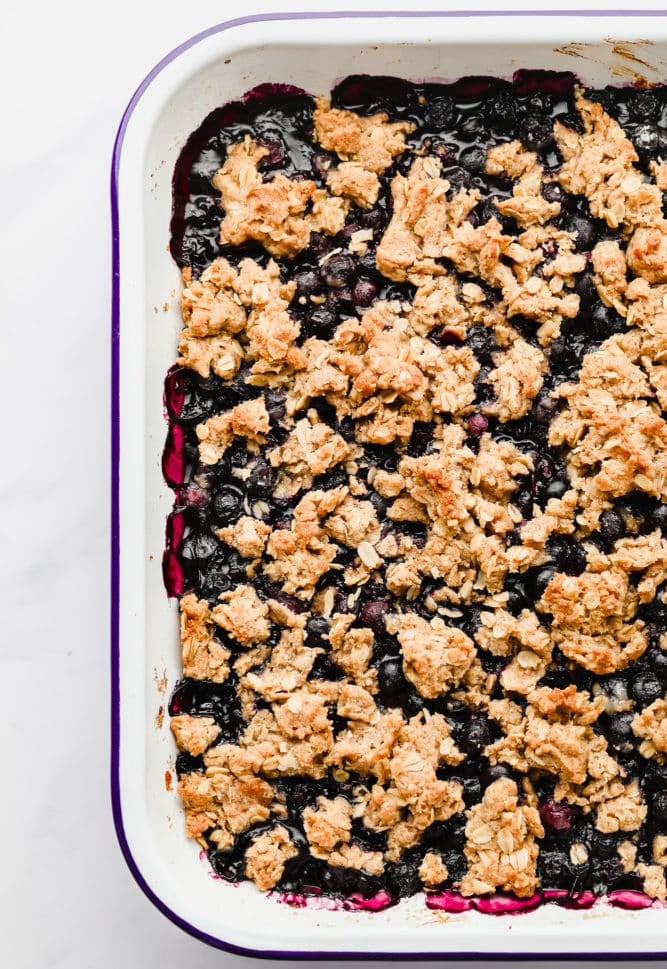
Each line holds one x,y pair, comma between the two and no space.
310,51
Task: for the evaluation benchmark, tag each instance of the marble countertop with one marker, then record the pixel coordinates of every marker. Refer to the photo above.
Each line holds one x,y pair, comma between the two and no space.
67,72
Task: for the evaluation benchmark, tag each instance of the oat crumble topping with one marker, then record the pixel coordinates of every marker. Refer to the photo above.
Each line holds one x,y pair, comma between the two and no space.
422,558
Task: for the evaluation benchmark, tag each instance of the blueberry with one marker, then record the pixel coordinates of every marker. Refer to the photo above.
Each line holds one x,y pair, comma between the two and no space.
402,877
523,499
390,678
604,845
537,579
338,271
659,809
372,615
472,790
502,110
447,338
643,106
620,731
261,480
456,865
612,525
317,631
554,869
204,698
227,504
556,488
199,546
544,408
475,736
658,518
586,289
567,554
556,815
493,772
474,159
187,764
563,356
364,292
605,873
646,688
374,219
324,668
553,192
440,113
657,659
516,595
308,282
656,777
477,425
421,438
536,132
323,321
472,128
645,140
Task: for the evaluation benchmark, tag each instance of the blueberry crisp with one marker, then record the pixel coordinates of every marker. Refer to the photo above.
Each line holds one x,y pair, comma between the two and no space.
418,448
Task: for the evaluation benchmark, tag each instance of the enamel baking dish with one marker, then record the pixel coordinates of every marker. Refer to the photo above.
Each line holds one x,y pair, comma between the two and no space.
311,51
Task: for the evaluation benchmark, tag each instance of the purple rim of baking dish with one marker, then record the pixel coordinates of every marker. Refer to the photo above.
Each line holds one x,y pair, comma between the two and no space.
115,464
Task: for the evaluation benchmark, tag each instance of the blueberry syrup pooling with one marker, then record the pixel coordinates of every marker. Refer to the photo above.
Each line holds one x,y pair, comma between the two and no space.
480,445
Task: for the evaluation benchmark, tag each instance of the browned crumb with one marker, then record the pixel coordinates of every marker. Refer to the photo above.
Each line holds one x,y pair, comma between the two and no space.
243,615
600,165
433,870
500,846
435,656
651,726
194,734
204,658
249,420
372,142
272,213
248,536
266,857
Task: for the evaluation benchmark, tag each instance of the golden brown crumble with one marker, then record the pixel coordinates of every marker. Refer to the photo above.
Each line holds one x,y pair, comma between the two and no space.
448,520
500,843
248,536
352,180
527,205
272,213
249,420
372,142
194,734
266,857
243,615
204,658
600,165
517,379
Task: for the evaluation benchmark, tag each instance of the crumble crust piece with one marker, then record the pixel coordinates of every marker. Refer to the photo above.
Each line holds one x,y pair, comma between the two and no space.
500,847
204,658
266,857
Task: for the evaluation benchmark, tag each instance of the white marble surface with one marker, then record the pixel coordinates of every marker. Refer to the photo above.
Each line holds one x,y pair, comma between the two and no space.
67,70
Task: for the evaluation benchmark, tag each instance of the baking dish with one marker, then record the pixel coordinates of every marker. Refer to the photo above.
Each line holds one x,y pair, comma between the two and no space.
215,67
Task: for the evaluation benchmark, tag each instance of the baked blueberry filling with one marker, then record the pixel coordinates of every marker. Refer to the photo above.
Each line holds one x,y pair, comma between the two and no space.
419,456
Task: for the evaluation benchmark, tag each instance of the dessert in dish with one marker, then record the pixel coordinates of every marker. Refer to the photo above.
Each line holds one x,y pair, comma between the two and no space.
417,444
